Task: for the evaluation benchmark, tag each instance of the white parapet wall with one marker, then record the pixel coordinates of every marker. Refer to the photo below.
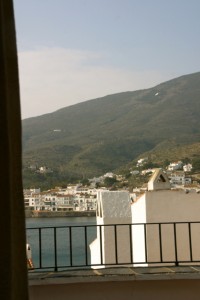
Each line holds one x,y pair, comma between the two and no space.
161,230
113,243
172,222
162,226
138,211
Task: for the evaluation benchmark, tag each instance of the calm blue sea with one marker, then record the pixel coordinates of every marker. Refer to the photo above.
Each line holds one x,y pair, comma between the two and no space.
72,245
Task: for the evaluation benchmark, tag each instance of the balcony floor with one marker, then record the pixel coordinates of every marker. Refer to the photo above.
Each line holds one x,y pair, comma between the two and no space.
114,274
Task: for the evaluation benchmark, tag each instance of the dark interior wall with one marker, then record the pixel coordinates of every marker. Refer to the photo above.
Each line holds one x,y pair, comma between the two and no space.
13,274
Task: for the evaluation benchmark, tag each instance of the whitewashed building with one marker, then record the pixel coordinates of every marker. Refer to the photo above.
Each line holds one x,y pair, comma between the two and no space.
187,168
165,226
175,166
160,204
59,200
179,178
112,208
141,161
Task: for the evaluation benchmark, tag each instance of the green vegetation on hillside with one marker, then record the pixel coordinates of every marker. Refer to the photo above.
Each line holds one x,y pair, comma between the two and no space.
100,135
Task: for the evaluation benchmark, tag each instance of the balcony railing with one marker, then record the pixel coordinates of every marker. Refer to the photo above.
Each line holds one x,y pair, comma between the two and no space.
87,246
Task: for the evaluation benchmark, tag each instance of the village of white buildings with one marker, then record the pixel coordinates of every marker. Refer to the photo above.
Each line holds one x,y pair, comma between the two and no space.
84,198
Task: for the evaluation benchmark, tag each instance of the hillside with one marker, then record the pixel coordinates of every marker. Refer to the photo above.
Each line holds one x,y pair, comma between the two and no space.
95,136
173,152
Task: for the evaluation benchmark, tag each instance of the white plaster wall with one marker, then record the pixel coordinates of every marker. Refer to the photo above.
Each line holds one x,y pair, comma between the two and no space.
95,254
167,206
138,210
95,246
116,209
116,206
152,185
172,206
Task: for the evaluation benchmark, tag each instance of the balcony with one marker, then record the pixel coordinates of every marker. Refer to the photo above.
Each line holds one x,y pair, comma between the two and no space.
63,264
142,244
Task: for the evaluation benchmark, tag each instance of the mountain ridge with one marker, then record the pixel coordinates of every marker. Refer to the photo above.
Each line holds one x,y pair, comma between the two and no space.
107,132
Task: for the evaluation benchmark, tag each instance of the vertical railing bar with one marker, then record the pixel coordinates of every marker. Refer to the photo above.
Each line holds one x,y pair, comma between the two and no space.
55,250
40,248
70,246
190,241
116,250
86,251
175,245
131,241
101,246
145,241
160,243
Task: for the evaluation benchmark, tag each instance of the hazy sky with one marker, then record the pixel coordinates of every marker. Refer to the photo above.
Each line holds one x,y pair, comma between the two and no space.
75,50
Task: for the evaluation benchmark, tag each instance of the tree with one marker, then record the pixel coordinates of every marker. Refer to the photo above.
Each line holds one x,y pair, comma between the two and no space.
166,163
196,165
85,181
109,181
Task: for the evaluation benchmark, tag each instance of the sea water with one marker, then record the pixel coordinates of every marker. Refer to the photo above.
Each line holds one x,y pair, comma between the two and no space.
72,241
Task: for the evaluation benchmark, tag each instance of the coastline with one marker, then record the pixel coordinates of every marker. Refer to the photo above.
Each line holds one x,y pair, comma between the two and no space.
54,214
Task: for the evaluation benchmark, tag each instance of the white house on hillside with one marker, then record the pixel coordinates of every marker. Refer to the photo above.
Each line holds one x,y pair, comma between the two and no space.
175,166
187,168
179,178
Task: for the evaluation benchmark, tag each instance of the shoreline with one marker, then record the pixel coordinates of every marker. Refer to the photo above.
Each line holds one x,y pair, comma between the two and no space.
58,214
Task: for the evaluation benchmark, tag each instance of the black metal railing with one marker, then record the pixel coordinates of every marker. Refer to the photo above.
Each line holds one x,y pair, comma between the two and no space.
141,244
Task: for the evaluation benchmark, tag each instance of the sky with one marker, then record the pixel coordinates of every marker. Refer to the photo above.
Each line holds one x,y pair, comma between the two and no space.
70,51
